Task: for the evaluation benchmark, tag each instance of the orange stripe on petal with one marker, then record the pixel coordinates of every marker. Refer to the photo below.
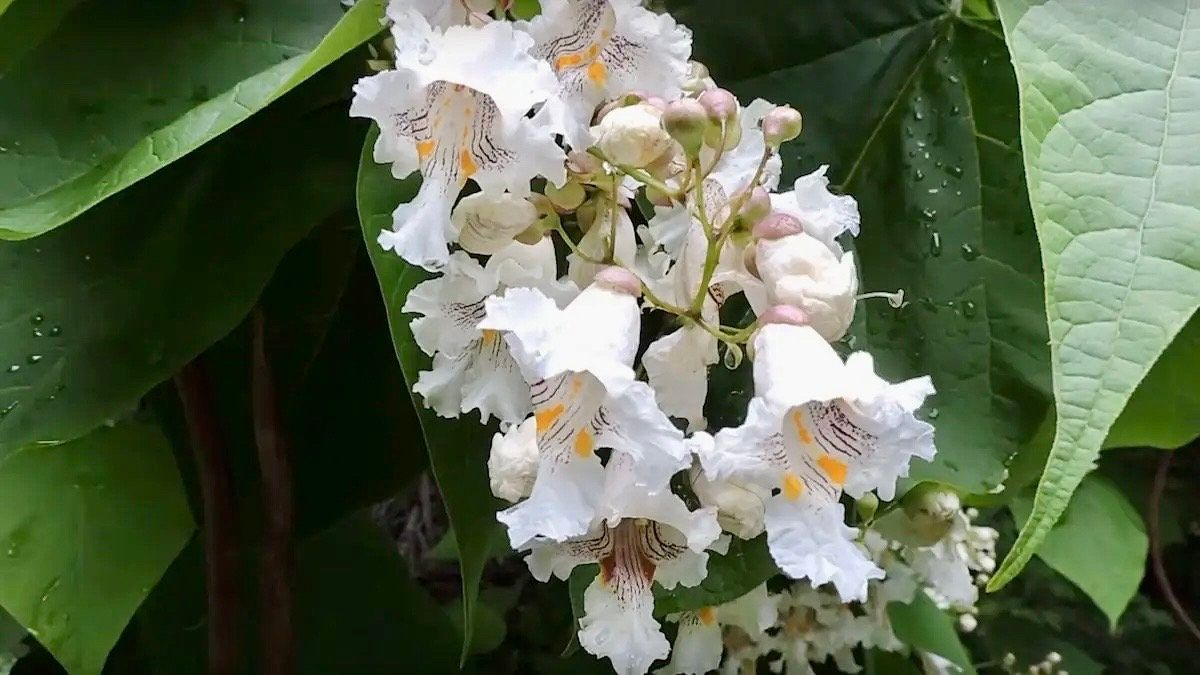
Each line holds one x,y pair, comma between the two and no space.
707,615
793,487
597,73
584,443
467,164
802,431
546,418
426,148
835,468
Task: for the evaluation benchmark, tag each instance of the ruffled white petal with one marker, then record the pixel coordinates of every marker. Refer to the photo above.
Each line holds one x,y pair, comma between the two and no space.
513,461
815,544
824,215
494,385
562,504
677,367
803,272
698,646
441,387
619,624
631,423
794,365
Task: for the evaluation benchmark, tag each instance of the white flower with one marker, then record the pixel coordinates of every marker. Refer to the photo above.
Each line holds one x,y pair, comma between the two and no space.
947,566
454,108
584,397
677,367
741,506
736,166
818,625
594,244
632,135
601,49
487,222
472,367
801,271
817,426
651,539
513,462
932,664
823,214
699,643
441,13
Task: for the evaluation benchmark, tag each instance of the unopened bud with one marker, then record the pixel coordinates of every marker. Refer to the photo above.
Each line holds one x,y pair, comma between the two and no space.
618,279
568,197
583,163
781,125
487,222
632,136
756,208
720,105
783,314
967,623
931,508
777,225
724,137
686,121
866,506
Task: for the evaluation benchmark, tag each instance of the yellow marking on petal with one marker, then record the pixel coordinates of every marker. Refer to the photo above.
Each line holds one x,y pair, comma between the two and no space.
802,431
426,148
466,163
545,418
584,443
597,73
593,52
793,486
707,615
576,385
833,467
490,336
568,61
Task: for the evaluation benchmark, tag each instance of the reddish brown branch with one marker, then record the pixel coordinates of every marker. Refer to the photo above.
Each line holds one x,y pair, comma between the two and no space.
1156,561
220,519
277,632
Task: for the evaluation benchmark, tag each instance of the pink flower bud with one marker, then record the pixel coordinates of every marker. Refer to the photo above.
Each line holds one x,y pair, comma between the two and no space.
720,105
783,314
777,225
757,206
685,120
781,125
618,279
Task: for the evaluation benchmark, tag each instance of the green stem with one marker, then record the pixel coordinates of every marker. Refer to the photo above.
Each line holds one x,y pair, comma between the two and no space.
574,247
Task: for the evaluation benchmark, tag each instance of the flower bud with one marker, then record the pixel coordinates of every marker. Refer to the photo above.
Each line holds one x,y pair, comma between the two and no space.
781,125
632,136
568,197
618,279
581,163
686,120
488,222
740,506
866,506
784,314
513,462
967,623
730,135
931,509
720,105
777,225
756,207
697,79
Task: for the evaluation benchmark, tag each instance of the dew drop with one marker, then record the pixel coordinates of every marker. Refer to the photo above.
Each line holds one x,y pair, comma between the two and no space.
928,213
935,244
37,319
14,368
918,115
969,309
34,358
37,332
932,413
969,252
955,171
918,175
55,331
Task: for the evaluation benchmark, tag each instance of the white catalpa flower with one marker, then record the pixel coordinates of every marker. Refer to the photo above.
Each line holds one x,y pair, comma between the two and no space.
455,109
816,626
823,214
651,538
441,13
735,629
472,367
513,462
801,271
632,135
601,49
585,397
815,427
948,567
741,506
487,222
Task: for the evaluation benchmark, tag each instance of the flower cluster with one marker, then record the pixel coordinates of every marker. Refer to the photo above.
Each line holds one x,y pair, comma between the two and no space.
598,215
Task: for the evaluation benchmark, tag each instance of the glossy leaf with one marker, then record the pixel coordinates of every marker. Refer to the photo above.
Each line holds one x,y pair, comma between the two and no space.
747,565
458,449
912,109
1099,544
1111,165
921,625
88,528
94,315
158,82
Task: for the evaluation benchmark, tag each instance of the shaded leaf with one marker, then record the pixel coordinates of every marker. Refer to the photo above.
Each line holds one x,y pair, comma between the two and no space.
1109,155
158,82
458,449
1164,411
921,625
88,527
1099,544
25,23
94,315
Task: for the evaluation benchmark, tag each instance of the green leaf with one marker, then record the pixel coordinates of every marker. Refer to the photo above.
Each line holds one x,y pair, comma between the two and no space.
1099,544
1109,155
1164,411
911,109
94,315
921,625
88,527
158,82
457,448
746,565
25,23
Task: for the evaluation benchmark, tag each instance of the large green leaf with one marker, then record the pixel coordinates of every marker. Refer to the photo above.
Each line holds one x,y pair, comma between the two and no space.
457,448
95,314
913,110
25,23
1108,104
88,528
90,112
1099,544
921,625
745,566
